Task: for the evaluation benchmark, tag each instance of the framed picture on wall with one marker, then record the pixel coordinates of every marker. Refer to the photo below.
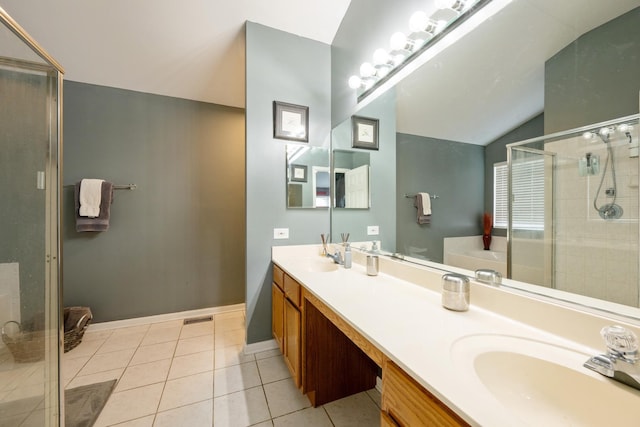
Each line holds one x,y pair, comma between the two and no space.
364,132
290,121
298,173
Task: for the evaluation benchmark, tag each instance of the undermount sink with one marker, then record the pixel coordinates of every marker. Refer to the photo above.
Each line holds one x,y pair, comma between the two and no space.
320,265
542,383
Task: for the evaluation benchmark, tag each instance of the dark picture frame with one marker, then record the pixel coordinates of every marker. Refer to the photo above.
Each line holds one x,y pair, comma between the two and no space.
364,132
298,173
290,121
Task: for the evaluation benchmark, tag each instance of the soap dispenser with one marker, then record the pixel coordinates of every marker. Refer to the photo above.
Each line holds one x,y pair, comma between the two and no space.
347,255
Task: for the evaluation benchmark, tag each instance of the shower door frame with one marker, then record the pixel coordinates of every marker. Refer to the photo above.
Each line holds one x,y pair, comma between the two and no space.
54,394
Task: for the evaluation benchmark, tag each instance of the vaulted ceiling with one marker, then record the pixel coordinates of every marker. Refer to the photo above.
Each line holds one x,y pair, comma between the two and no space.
192,49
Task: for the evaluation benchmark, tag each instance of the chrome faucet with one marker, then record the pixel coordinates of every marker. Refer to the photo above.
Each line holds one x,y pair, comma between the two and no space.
337,257
621,362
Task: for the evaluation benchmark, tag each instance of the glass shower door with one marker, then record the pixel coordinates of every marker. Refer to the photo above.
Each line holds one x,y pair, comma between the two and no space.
30,88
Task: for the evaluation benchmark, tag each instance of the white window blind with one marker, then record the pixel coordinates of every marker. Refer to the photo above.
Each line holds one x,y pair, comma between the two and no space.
500,200
527,194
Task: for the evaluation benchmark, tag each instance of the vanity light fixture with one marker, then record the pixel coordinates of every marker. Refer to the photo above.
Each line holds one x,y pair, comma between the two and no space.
428,36
455,5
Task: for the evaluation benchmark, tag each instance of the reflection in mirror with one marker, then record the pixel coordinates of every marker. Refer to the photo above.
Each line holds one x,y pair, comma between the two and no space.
351,179
308,184
509,81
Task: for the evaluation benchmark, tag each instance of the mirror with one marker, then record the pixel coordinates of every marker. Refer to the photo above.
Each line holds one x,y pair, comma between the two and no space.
505,82
350,170
308,183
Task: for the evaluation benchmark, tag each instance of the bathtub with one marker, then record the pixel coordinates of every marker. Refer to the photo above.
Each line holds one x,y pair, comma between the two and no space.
474,259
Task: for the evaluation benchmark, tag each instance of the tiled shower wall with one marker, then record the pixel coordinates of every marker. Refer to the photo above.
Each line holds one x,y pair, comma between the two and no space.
593,256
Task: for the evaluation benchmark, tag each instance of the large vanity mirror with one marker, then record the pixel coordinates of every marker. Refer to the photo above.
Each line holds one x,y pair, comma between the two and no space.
308,177
537,67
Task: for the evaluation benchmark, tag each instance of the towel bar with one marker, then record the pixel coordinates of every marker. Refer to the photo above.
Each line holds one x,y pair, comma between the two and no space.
431,196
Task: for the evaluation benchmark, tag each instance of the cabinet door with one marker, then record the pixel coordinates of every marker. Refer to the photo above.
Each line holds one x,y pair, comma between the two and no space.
277,316
292,341
409,404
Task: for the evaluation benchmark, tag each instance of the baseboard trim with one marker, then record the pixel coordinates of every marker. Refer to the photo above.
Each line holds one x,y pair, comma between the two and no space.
164,317
257,347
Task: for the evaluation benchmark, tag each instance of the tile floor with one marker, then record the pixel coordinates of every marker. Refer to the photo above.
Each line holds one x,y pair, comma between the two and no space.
170,375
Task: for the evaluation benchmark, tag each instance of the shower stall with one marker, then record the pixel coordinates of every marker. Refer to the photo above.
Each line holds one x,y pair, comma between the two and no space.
30,144
573,215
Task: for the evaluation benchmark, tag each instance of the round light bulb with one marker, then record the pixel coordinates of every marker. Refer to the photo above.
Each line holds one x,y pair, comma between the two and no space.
398,41
355,82
367,70
380,57
587,135
418,21
625,127
383,71
605,131
445,4
398,59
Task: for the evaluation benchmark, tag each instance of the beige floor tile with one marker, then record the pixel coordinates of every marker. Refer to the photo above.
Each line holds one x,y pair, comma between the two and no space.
230,338
103,334
240,409
130,405
194,345
139,422
187,390
71,367
268,423
121,342
284,397
79,380
196,330
196,415
156,336
273,369
132,330
167,324
310,417
229,356
268,353
357,410
236,314
374,394
85,348
235,378
107,362
190,364
229,324
145,374
151,353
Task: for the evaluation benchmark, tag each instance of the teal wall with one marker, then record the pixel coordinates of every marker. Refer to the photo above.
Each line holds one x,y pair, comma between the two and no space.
611,54
451,170
175,243
279,67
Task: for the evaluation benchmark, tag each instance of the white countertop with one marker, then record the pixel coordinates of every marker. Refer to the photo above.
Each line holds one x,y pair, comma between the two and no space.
409,325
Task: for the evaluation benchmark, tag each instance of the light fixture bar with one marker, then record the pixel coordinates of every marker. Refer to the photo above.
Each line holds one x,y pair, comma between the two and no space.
434,45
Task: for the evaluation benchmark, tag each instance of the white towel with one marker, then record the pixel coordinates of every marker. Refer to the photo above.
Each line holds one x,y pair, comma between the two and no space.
426,203
90,197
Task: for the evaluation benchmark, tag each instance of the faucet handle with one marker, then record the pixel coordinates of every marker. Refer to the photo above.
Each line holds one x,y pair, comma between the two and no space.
620,340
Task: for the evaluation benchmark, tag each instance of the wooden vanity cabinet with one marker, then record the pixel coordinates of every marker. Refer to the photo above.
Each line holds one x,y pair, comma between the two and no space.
277,306
405,403
286,320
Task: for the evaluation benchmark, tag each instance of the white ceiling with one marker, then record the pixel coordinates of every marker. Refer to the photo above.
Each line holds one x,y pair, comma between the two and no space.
492,80
192,49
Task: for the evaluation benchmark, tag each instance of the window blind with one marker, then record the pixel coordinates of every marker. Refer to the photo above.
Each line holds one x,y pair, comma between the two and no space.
527,194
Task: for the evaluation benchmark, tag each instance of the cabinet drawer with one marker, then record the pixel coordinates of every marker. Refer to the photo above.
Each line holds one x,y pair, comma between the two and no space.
292,290
409,404
278,276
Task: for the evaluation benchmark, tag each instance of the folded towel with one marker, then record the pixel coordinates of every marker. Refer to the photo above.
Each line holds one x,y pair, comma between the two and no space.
419,203
90,196
426,203
101,222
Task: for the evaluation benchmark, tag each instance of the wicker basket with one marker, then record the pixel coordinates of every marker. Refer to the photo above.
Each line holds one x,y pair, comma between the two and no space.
24,346
76,322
